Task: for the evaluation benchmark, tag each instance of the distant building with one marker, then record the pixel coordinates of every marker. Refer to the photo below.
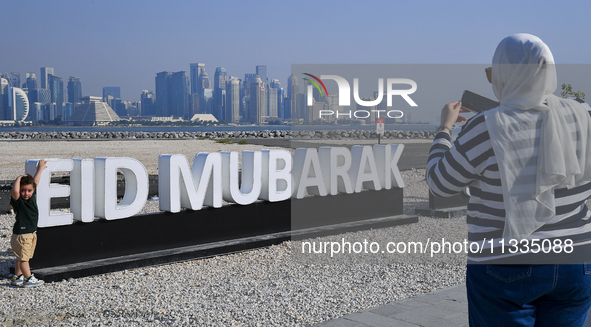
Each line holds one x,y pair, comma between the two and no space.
262,73
36,111
199,104
194,73
20,110
4,97
56,86
93,112
113,91
204,117
45,72
43,97
179,94
271,101
74,90
233,100
147,103
162,94
15,79
219,93
258,101
292,93
31,81
172,94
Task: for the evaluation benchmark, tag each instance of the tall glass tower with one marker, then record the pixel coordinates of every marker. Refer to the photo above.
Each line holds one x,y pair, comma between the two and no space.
195,72
219,93
56,85
292,91
45,72
74,90
162,94
262,72
233,100
172,94
179,95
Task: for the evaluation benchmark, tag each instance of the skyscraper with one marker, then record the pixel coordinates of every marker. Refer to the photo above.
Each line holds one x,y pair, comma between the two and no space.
233,100
162,94
219,93
114,91
45,72
271,101
273,98
280,94
148,103
31,81
15,79
179,95
74,90
56,85
172,94
43,98
293,90
203,85
195,72
258,101
4,89
262,73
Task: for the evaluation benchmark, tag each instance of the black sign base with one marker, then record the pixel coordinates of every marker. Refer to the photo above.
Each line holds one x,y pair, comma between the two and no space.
84,249
154,258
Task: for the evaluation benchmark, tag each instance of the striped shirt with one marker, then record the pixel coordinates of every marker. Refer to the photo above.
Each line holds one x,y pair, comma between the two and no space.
470,161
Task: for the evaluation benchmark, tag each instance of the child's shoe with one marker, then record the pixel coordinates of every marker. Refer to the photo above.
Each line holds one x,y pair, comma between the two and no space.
17,280
32,282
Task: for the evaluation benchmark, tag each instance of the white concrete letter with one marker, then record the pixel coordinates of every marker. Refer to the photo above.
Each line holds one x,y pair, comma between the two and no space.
276,184
180,187
363,170
82,185
307,173
105,179
250,188
335,163
387,157
45,191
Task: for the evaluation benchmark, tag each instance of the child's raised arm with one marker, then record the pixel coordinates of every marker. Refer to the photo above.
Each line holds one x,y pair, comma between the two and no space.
40,166
16,188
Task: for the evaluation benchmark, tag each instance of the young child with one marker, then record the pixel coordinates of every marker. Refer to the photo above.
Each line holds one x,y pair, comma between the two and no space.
24,233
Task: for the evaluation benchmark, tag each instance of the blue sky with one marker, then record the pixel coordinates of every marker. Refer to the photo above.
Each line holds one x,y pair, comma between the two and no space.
125,43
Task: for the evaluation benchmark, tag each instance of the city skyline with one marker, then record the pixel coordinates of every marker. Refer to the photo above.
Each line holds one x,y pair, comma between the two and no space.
125,44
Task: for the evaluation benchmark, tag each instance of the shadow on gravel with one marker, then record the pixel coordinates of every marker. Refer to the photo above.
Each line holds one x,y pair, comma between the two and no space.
6,261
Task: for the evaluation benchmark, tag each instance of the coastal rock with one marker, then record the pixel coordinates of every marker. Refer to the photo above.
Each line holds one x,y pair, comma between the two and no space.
286,134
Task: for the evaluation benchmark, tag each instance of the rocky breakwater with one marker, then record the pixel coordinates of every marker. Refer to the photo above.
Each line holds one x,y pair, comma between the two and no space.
333,134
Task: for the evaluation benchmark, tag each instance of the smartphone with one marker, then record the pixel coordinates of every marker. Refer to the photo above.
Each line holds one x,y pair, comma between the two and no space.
476,102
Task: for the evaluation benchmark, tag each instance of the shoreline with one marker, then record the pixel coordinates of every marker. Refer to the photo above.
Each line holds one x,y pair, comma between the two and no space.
283,134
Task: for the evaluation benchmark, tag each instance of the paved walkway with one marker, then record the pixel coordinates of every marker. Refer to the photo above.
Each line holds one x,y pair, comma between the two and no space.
442,308
446,307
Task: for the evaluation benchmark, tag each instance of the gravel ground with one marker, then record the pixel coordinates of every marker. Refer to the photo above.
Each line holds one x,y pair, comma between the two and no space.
265,287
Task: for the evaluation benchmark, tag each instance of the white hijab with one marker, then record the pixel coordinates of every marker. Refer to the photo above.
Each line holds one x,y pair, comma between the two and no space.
536,148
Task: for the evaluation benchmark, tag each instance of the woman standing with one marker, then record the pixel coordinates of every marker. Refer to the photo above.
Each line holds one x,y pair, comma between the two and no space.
528,166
